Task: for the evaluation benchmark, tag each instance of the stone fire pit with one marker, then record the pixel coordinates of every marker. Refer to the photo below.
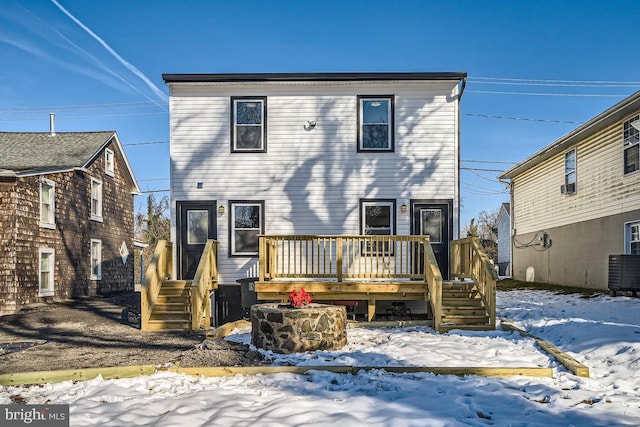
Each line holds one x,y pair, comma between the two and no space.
283,329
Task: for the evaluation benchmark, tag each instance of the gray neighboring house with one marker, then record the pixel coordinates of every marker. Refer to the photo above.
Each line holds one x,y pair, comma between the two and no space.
66,217
504,240
577,201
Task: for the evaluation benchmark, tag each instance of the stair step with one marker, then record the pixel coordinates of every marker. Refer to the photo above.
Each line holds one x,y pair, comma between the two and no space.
462,302
171,306
175,283
174,291
448,293
169,325
173,299
463,311
447,327
171,315
465,319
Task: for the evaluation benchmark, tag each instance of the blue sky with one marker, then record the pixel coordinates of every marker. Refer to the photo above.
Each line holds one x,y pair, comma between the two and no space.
98,65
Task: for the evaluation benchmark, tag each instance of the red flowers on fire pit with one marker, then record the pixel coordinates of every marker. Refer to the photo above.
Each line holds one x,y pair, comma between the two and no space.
299,299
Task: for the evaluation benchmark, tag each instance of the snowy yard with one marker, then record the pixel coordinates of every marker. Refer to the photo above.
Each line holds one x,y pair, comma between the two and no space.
602,332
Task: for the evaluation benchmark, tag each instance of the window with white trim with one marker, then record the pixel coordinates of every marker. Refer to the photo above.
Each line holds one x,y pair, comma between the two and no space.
47,203
46,272
96,259
247,222
632,238
631,131
377,219
375,123
109,162
96,200
570,172
249,124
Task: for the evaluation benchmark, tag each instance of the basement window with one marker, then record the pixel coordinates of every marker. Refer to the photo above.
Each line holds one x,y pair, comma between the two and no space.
633,238
631,131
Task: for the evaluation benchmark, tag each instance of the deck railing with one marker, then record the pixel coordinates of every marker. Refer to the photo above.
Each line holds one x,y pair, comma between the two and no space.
159,269
433,277
204,280
342,257
469,260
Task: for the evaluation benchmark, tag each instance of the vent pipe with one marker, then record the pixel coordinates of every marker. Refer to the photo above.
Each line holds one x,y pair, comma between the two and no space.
52,124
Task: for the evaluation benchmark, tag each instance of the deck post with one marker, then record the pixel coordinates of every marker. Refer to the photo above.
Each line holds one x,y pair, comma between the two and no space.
339,258
371,310
262,257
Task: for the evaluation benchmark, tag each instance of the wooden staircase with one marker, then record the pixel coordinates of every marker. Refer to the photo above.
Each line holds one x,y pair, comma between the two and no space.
172,310
463,307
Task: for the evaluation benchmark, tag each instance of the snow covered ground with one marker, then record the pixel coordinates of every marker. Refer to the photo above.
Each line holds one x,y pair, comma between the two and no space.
602,332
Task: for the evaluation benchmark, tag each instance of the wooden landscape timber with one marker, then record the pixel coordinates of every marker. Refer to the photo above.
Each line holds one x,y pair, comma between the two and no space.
567,361
43,377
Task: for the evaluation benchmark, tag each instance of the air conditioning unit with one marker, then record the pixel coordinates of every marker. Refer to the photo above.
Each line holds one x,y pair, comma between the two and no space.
568,189
563,189
624,273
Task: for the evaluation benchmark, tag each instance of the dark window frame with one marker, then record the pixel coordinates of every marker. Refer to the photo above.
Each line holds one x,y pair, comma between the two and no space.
232,117
232,226
392,132
394,226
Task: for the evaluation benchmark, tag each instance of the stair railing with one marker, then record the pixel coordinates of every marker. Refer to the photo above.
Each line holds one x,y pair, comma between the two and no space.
468,259
433,277
159,269
205,280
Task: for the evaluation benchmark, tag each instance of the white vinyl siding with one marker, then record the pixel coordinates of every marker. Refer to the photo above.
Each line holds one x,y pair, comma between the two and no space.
96,200
312,179
46,272
96,259
47,203
604,189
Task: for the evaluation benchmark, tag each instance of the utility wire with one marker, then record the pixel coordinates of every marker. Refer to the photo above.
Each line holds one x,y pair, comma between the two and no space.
495,92
481,169
554,81
489,161
487,116
145,143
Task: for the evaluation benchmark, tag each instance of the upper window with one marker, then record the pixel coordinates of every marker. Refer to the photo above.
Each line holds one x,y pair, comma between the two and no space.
375,123
247,222
96,259
377,219
249,124
109,162
46,270
569,186
47,203
96,200
632,144
633,238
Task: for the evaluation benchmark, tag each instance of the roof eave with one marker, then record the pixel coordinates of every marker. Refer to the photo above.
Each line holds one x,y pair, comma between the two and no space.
304,77
599,122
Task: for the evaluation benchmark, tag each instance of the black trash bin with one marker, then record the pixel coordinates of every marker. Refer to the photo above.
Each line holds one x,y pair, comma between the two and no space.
248,295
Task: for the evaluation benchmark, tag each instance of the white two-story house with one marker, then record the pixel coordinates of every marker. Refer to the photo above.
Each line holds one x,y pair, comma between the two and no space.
311,154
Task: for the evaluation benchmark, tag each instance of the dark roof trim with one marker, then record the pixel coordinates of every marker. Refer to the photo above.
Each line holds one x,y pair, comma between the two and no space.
607,118
309,77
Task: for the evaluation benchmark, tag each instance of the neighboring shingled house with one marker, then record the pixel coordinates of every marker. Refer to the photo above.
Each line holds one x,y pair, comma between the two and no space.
66,216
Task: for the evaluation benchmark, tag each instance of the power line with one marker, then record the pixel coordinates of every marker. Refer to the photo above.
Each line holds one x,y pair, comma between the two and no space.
481,169
85,117
489,161
555,81
487,116
145,143
545,94
154,179
155,191
82,106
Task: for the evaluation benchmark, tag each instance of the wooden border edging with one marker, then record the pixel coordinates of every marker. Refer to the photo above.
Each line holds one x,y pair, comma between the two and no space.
567,361
42,377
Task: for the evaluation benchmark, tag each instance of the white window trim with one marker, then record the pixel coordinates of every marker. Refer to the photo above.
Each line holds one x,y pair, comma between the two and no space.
52,203
574,171
51,291
390,110
99,258
98,216
628,145
363,219
262,147
627,235
233,227
109,166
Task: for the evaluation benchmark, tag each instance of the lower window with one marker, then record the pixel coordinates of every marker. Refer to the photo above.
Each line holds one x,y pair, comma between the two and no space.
96,259
46,270
377,219
633,238
246,223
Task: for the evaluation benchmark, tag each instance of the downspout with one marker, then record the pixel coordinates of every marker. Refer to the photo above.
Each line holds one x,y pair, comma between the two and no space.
462,86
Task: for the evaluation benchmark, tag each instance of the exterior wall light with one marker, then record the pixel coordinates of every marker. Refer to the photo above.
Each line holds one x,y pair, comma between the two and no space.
403,208
221,209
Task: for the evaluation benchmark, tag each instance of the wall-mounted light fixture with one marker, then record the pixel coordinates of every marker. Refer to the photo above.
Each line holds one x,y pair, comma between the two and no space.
311,124
404,208
221,209
198,185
